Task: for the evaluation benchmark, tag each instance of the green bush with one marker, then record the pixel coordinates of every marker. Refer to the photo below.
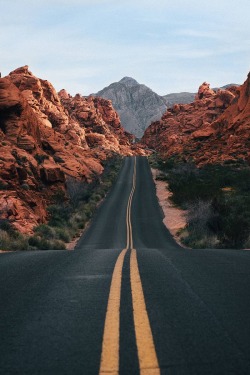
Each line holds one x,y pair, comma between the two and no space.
58,245
45,231
62,234
12,240
59,214
40,243
217,198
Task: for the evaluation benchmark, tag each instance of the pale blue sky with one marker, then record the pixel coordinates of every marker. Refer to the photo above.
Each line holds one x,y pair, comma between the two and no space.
84,45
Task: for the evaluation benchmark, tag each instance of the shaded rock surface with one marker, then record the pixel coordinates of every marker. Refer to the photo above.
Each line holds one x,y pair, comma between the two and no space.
214,128
46,137
136,104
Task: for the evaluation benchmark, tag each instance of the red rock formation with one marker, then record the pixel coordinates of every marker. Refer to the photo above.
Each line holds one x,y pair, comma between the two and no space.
214,128
44,137
101,124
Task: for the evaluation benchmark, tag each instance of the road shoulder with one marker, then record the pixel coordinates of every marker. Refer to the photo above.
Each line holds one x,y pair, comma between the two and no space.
174,217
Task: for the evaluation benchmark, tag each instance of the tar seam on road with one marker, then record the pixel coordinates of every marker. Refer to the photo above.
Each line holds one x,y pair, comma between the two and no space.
148,361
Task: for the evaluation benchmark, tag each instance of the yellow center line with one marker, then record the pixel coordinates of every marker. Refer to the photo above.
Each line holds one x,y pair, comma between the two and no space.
129,224
148,361
110,343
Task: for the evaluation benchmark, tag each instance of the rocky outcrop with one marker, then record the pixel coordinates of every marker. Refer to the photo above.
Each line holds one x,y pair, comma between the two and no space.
100,123
46,137
136,104
214,128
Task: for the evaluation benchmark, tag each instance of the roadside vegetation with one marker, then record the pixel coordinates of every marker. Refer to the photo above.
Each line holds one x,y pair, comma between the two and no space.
216,199
68,215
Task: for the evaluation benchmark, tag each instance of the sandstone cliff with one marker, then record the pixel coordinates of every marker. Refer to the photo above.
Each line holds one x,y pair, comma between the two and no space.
214,128
45,137
136,104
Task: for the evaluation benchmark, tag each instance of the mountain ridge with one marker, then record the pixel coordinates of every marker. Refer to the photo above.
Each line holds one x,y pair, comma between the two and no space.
136,104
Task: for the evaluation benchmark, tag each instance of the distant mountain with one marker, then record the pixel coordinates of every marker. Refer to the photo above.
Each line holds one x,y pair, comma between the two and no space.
225,87
137,105
179,98
188,97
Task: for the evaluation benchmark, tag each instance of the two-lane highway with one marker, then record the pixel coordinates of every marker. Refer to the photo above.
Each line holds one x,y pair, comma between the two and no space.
128,300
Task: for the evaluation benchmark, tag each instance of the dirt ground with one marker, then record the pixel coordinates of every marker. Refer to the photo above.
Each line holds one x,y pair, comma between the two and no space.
174,218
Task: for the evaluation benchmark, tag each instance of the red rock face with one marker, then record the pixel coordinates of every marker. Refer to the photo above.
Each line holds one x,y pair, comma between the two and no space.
212,129
44,137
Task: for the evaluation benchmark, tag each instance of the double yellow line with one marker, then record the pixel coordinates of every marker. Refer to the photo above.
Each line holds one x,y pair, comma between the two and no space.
128,216
148,361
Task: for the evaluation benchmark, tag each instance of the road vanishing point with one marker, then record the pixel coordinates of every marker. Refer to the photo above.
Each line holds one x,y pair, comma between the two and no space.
128,300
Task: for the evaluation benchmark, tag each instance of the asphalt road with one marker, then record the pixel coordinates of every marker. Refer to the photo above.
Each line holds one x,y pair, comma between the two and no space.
128,300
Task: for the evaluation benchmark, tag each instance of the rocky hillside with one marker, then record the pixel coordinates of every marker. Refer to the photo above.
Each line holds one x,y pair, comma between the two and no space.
136,104
214,128
44,139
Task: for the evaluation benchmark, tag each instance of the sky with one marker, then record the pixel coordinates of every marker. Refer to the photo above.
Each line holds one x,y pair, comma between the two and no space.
168,45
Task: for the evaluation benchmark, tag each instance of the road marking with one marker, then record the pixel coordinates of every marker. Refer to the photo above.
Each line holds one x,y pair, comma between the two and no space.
128,219
110,343
148,361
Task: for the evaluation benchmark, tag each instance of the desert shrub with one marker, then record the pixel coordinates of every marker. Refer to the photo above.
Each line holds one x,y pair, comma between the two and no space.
78,220
34,241
77,190
59,214
199,214
234,219
96,197
45,231
4,239
19,243
58,245
12,240
62,234
58,197
217,198
201,222
41,243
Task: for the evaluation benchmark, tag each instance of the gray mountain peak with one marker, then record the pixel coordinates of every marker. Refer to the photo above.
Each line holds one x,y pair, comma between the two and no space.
136,104
128,81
